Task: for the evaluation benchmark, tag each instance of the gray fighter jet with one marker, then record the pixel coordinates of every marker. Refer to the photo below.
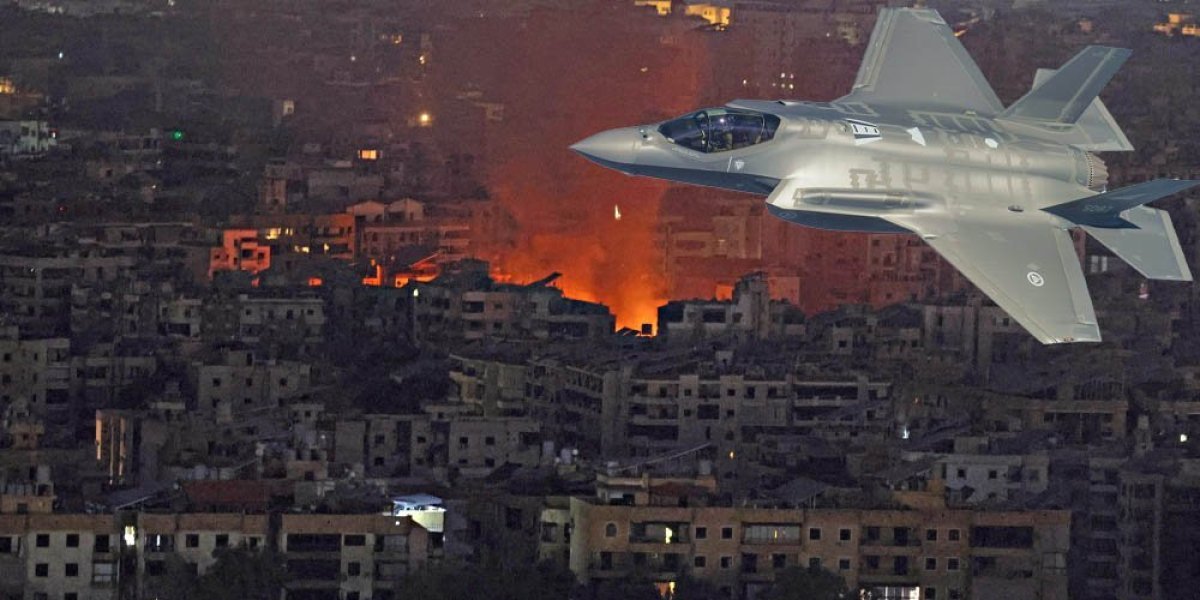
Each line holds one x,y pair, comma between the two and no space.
922,144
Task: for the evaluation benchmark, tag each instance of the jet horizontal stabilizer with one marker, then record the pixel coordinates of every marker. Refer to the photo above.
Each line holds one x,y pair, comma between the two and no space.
1103,211
1152,248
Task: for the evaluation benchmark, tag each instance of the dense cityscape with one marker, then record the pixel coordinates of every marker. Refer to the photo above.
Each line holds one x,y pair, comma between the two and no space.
309,300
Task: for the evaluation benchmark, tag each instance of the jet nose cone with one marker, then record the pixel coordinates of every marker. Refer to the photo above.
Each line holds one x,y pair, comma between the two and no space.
615,148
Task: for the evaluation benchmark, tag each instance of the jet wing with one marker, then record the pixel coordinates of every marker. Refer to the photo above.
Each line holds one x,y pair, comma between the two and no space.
914,60
1023,262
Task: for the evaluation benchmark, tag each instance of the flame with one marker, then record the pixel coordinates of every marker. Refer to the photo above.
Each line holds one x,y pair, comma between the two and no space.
594,226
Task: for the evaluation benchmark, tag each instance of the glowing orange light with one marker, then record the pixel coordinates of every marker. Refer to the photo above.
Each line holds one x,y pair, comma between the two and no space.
375,280
315,282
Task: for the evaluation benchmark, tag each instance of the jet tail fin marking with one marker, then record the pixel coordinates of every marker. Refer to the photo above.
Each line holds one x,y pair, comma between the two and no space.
1153,248
1103,211
1065,95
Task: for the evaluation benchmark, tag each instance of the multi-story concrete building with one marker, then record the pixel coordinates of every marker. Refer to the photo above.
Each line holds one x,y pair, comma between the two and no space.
36,281
239,250
929,553
192,537
68,556
281,318
443,440
330,235
34,371
241,383
26,139
86,557
466,303
751,314
350,556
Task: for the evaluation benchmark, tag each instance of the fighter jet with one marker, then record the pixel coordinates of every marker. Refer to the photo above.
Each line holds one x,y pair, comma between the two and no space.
923,145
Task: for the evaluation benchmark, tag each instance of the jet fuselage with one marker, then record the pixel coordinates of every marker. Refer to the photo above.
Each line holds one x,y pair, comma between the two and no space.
845,165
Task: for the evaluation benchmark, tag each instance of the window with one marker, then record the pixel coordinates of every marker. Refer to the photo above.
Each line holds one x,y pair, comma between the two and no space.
71,569
930,593
844,534
951,564
192,540
992,474
720,129
354,540
778,561
41,570
701,533
353,569
843,564
930,564
43,540
726,562
814,533
962,473
953,535
872,534
814,562
931,535
727,533
70,596
698,562
610,530
101,544
222,540
72,540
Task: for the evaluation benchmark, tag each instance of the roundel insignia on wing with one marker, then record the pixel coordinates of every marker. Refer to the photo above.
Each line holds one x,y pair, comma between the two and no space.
1035,279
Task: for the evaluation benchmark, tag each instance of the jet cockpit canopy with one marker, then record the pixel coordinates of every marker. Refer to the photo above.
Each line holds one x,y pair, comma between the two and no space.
720,129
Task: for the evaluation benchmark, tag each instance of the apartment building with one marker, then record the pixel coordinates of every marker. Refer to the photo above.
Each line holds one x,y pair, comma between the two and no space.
925,553
36,281
350,557
240,383
192,537
436,443
239,250
464,302
749,314
34,371
52,556
265,316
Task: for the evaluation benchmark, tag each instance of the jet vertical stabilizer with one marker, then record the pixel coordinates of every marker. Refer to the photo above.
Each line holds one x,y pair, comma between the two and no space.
1066,106
1065,95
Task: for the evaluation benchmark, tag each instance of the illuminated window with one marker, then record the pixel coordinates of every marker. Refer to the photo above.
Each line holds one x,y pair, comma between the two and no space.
368,154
